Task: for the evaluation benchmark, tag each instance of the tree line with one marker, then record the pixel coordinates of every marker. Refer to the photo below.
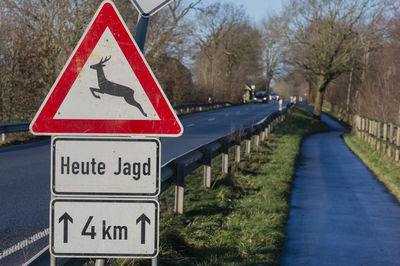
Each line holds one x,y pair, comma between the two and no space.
341,51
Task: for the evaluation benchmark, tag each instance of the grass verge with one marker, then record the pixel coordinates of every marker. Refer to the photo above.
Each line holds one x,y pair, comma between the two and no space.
241,219
385,169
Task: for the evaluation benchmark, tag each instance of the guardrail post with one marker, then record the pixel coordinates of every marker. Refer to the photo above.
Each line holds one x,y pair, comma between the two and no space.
238,138
257,140
100,262
248,141
179,188
237,152
266,132
397,145
262,135
207,168
225,157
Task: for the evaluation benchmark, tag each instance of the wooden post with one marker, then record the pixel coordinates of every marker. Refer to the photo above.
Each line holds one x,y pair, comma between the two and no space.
3,137
385,131
266,132
378,135
362,128
391,129
397,145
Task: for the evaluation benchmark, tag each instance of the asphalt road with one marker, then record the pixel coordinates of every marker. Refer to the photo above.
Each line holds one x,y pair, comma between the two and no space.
25,175
340,214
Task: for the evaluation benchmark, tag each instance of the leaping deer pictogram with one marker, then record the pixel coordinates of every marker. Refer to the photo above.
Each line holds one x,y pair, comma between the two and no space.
111,88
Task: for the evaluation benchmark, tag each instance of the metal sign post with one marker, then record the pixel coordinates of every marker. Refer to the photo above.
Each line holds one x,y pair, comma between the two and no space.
141,31
146,9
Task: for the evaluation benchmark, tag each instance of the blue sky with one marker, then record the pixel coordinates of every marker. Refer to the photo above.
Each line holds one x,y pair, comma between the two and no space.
257,9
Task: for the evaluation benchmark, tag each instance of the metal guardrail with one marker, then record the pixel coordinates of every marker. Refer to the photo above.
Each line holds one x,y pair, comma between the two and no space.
174,172
179,109
382,136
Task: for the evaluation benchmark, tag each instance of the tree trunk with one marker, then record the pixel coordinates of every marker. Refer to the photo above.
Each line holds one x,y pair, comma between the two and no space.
319,98
349,91
267,85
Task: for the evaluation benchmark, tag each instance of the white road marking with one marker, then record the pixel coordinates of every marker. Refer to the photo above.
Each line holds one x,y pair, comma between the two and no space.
211,119
24,243
190,125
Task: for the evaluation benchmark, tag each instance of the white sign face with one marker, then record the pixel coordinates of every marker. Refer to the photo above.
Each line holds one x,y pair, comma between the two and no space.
105,166
102,228
150,7
135,105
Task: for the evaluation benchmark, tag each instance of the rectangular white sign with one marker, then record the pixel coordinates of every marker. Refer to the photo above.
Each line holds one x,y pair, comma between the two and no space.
104,228
105,166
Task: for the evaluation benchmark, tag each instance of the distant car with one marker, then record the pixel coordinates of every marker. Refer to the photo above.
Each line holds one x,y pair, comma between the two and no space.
260,97
274,96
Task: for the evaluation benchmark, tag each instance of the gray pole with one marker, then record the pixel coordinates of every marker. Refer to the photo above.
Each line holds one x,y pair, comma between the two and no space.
141,31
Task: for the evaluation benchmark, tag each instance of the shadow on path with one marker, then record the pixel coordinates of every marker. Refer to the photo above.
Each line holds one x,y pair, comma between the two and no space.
339,213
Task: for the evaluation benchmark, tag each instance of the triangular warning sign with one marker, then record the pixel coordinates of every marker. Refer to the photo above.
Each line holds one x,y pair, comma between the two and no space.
106,87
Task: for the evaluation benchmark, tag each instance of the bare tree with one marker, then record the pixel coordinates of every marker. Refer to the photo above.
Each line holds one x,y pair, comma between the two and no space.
327,37
275,48
230,52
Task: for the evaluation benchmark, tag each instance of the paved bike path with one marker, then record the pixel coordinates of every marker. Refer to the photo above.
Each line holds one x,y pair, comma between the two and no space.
339,213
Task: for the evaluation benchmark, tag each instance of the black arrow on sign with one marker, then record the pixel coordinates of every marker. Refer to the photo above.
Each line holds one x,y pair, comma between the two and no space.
65,217
143,218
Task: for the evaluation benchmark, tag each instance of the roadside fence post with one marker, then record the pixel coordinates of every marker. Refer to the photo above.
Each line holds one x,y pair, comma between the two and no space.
363,128
385,131
397,145
3,137
375,133
179,188
369,132
391,128
378,135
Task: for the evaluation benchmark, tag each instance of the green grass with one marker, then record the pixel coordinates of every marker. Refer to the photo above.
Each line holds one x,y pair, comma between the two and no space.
241,219
384,168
